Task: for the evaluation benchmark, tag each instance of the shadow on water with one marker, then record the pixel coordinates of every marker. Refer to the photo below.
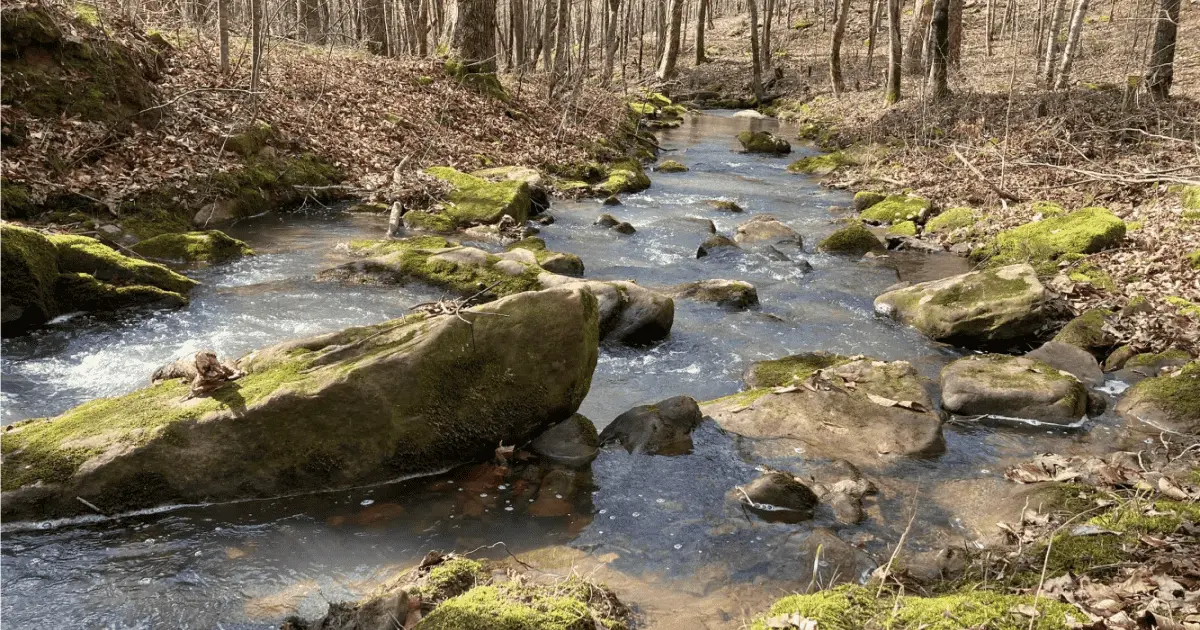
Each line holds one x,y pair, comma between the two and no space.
668,533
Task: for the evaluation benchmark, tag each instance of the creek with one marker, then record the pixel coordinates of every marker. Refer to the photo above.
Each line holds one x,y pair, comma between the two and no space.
660,530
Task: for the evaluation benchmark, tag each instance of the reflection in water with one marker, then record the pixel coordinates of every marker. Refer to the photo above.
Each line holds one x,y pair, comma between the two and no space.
666,532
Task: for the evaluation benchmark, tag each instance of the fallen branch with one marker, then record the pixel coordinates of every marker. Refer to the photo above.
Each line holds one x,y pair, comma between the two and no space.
1121,178
1004,194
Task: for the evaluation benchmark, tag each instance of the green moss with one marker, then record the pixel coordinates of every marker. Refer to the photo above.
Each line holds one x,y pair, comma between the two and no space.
15,200
51,450
531,243
1190,197
450,578
821,164
1193,259
671,166
856,607
788,370
1042,243
83,292
487,83
1178,395
643,109
626,176
674,111
411,259
1185,307
473,201
1147,358
424,81
251,139
28,271
496,608
1089,273
1087,330
741,398
950,220
904,228
800,25
212,246
864,199
1047,209
87,255
657,99
854,239
763,142
897,208
725,206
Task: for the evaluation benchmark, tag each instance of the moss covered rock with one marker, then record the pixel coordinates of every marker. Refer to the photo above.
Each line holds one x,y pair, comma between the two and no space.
1193,259
83,254
1042,243
83,292
472,201
671,166
626,176
212,246
854,239
897,208
789,370
725,205
763,142
365,404
733,294
1087,332
28,272
765,229
978,308
903,228
1170,402
950,220
1012,387
552,261
865,199
821,164
856,607
898,421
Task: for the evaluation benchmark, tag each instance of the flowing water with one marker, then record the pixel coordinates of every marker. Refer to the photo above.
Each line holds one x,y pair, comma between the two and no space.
660,530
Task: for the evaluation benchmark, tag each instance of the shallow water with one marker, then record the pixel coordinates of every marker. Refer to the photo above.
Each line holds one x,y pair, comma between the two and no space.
659,529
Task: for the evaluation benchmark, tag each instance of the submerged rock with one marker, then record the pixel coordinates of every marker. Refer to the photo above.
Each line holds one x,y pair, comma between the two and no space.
572,442
664,428
212,246
606,221
715,243
975,308
472,201
671,166
362,405
854,239
1012,387
766,229
724,205
886,412
1169,402
763,142
815,560
734,294
780,490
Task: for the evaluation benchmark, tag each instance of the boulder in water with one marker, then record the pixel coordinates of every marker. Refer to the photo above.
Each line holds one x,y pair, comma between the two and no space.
714,243
854,239
777,491
733,294
363,405
886,412
1072,359
790,369
766,229
629,312
978,308
472,201
1168,402
671,166
725,205
664,428
552,261
212,246
1012,387
763,142
572,443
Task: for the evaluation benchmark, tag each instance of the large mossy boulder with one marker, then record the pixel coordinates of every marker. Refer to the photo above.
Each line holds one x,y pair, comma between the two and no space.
1168,402
83,292
1012,387
82,254
29,270
552,261
978,308
472,201
895,209
1087,332
212,246
763,142
859,410
1043,243
950,220
629,313
854,239
539,199
367,404
626,176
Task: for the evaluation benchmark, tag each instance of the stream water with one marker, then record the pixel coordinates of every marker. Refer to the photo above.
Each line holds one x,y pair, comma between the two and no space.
660,530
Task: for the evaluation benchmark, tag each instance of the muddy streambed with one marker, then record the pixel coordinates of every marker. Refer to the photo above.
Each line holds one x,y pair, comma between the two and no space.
660,530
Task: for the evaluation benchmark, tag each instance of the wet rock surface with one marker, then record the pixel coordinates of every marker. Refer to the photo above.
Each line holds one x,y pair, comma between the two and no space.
663,428
1013,387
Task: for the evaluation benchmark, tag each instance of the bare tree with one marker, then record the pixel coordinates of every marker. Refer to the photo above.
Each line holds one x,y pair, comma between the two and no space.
765,51
666,69
1047,73
895,52
612,41
917,36
940,51
835,49
474,38
755,68
956,33
256,41
1162,57
1068,55
223,32
702,11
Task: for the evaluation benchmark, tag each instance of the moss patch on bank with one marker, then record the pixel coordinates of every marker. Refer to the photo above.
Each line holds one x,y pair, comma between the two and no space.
897,208
472,201
212,246
1043,243
87,255
403,260
854,239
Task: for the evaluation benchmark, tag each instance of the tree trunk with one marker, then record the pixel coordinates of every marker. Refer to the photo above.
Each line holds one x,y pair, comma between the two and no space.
895,52
612,41
1047,73
548,36
223,30
1068,55
666,69
700,17
871,26
987,26
474,39
517,15
756,69
585,48
940,51
916,37
956,33
562,39
835,49
255,43
1162,57
765,52
374,29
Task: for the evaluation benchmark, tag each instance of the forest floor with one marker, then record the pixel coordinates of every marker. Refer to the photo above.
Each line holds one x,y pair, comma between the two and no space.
1001,132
